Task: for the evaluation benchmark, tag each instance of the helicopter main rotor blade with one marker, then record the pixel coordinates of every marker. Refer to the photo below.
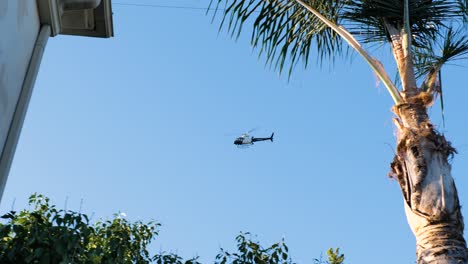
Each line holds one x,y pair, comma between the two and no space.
252,130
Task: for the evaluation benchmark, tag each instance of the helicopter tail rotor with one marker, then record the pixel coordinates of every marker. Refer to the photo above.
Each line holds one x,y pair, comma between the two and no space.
271,138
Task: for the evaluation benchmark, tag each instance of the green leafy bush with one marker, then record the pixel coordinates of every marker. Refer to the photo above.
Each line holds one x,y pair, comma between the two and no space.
45,234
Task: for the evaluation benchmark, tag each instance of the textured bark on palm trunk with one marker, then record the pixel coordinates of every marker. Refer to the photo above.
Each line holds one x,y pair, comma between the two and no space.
422,169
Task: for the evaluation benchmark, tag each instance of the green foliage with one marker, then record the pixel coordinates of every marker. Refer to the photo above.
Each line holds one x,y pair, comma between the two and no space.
426,18
171,258
453,48
283,30
286,32
334,257
47,235
251,252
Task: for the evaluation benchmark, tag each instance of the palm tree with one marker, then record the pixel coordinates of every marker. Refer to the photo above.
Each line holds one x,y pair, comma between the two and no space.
423,36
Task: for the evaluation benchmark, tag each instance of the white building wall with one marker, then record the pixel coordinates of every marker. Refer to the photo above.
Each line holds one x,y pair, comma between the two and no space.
19,27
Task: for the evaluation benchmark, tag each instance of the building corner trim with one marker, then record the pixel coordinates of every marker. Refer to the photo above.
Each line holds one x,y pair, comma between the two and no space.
14,131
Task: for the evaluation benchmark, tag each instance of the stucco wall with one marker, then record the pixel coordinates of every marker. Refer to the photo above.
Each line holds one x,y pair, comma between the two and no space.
19,26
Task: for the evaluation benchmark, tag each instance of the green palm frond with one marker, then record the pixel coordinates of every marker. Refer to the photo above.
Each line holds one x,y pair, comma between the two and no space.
283,30
429,64
427,17
375,65
286,33
463,6
454,46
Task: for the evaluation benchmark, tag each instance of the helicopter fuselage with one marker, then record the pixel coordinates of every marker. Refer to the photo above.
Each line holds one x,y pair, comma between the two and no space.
243,140
246,139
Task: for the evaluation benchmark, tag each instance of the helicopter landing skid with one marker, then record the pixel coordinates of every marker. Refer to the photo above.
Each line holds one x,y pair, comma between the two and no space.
244,146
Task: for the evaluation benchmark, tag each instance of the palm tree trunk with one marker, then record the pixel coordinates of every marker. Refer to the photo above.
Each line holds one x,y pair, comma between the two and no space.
404,61
421,166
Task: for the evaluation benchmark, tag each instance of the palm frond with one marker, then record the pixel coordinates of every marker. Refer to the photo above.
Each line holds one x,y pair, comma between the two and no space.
427,17
283,30
349,38
286,33
429,64
454,46
442,108
463,6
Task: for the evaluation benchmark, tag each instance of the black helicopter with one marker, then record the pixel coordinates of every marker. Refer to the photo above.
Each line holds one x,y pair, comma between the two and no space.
247,139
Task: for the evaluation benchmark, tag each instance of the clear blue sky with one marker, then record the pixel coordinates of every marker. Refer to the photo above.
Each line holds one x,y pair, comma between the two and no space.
139,123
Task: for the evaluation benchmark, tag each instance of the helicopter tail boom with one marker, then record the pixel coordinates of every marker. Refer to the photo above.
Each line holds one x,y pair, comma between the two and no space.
264,139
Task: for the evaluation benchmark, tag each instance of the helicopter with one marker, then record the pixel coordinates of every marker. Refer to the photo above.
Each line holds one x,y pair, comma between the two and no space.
246,139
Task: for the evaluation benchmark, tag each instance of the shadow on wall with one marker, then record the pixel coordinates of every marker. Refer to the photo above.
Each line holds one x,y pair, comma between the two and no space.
3,92
3,95
3,9
23,11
